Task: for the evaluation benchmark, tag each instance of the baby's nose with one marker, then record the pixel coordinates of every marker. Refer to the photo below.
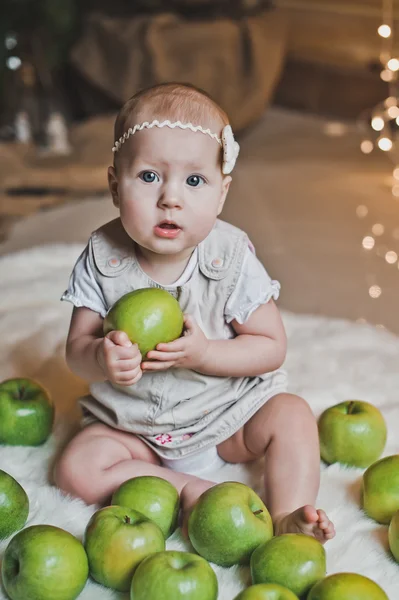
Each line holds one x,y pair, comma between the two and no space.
171,199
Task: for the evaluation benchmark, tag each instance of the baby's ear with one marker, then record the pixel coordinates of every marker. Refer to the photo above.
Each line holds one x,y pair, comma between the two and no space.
225,188
113,185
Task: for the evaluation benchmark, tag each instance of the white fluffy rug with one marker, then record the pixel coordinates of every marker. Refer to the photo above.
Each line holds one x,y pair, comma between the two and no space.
328,361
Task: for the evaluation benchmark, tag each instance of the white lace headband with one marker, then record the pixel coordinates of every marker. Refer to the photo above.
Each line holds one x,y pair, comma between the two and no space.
230,147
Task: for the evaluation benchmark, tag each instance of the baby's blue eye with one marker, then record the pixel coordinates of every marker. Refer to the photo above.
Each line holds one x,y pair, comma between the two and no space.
149,176
195,180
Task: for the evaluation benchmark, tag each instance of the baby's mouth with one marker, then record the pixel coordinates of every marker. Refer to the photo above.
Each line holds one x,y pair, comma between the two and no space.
168,225
167,229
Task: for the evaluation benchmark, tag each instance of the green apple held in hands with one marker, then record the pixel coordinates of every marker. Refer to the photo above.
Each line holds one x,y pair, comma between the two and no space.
173,575
381,489
14,505
117,539
154,497
346,586
294,560
148,316
43,562
228,522
353,433
267,591
26,413
393,535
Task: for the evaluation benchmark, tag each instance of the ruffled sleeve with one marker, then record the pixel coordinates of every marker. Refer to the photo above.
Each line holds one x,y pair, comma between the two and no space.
254,287
83,288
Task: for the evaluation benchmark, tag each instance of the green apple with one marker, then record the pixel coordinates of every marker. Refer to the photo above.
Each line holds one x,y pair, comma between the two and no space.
26,413
393,535
294,560
228,522
267,591
14,505
117,539
173,575
381,489
43,562
149,316
353,433
346,586
154,497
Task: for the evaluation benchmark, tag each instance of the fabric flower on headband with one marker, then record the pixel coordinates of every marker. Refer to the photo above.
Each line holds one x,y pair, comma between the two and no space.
230,147
231,150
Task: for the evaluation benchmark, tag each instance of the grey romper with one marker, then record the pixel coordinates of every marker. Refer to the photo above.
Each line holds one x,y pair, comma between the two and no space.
177,412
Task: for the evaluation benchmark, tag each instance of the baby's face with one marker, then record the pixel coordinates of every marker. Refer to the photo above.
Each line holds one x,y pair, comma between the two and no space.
169,188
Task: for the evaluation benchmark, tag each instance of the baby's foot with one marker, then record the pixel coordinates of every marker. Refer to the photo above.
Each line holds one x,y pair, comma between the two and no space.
305,520
189,496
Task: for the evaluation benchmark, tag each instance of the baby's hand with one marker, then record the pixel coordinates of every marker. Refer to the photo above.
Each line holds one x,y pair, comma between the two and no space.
188,351
119,359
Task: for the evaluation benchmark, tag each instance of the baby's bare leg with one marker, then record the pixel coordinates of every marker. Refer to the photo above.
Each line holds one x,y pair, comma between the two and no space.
99,459
284,430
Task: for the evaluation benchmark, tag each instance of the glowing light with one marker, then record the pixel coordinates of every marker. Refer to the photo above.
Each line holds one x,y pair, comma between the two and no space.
393,112
387,75
378,229
13,63
368,242
377,123
384,144
384,30
391,257
396,172
393,64
397,120
366,146
10,41
362,211
395,190
390,101
375,291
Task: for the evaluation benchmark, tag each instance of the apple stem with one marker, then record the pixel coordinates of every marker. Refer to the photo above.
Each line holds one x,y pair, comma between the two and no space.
257,512
127,519
351,406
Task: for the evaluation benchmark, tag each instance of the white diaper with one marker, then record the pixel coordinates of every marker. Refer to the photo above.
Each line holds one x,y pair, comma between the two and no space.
195,464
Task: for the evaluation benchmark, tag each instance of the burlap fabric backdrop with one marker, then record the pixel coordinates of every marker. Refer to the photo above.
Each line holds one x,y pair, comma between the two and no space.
235,58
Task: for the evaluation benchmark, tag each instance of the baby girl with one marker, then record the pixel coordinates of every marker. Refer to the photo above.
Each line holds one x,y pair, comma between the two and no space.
218,393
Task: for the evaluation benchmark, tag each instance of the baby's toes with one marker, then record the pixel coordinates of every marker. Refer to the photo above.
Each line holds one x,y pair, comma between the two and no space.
325,525
329,532
323,521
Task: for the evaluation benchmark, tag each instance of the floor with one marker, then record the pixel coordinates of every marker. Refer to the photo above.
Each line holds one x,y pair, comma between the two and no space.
302,190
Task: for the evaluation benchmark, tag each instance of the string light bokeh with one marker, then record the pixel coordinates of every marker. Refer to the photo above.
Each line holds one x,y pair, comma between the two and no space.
379,127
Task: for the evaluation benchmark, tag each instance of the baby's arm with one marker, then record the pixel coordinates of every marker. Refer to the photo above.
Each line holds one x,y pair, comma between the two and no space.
95,358
260,346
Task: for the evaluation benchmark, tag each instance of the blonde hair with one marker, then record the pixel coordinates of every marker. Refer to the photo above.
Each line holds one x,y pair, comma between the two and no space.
174,101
